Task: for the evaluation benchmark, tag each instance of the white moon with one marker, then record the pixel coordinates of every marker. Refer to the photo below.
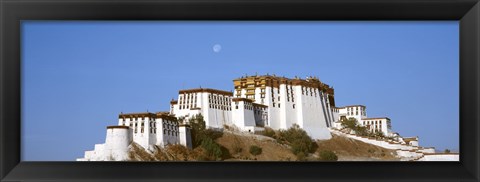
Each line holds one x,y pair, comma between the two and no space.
217,48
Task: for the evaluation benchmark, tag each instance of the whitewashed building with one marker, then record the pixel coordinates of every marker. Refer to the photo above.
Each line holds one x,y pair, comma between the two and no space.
262,101
307,103
359,112
214,105
146,129
255,103
159,128
381,124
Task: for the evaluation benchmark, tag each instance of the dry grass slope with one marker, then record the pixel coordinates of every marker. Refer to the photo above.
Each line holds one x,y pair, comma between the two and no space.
352,150
236,147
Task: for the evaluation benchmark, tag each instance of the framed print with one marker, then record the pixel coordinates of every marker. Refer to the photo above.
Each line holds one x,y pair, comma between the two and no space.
239,90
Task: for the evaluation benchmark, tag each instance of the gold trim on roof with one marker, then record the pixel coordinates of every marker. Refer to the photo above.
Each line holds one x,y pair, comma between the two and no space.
208,90
236,99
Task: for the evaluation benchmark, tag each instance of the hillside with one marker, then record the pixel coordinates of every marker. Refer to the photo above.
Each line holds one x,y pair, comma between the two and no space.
353,150
346,149
238,145
235,147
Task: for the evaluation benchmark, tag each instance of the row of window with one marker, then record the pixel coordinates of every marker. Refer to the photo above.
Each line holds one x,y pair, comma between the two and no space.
350,113
259,112
356,108
309,91
290,93
166,124
187,106
152,130
187,101
170,133
221,107
187,98
136,119
218,99
373,122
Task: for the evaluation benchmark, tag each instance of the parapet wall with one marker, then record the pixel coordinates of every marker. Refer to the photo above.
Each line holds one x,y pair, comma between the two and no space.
440,157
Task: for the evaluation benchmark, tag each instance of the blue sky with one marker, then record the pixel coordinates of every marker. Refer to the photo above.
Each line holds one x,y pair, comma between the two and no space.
77,76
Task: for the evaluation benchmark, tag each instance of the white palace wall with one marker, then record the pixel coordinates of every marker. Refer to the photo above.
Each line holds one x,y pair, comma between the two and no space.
242,115
117,141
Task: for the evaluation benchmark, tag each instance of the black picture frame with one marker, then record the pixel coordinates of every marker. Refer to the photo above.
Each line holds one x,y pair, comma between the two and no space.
13,12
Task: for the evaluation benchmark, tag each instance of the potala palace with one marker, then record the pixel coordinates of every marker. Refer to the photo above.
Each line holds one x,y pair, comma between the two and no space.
256,102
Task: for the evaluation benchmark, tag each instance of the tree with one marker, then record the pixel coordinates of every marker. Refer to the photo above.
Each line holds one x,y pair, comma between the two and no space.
255,150
350,123
198,129
446,151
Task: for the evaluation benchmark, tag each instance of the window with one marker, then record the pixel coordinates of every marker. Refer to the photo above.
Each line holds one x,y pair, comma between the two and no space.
294,106
278,105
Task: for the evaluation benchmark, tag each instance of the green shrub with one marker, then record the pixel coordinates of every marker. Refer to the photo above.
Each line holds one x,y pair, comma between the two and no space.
351,123
213,134
298,139
327,155
301,156
255,150
212,149
269,132
361,131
